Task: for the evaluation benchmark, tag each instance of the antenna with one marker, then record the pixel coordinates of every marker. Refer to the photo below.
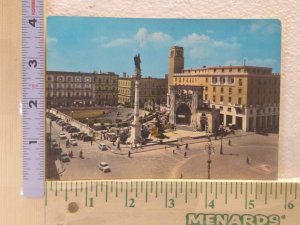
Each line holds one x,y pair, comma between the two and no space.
245,62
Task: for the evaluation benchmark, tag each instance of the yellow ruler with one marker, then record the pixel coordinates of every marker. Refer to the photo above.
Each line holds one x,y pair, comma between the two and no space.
172,202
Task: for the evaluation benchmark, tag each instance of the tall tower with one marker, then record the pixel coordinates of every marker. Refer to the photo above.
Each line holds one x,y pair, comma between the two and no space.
176,65
135,136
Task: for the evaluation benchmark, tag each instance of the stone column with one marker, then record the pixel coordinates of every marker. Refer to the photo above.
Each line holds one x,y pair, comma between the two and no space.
172,105
135,136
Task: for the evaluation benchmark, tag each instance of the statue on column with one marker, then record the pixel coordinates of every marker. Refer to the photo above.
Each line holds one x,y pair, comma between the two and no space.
137,62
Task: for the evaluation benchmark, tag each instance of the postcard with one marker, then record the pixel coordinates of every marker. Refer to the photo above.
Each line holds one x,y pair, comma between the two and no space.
162,98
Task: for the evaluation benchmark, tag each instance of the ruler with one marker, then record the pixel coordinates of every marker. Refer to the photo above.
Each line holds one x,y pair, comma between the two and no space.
178,202
33,56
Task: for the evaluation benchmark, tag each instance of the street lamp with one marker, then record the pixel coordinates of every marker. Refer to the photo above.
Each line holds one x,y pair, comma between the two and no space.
209,148
222,132
87,121
72,114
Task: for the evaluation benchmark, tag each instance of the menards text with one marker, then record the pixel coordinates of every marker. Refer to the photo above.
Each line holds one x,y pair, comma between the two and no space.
234,219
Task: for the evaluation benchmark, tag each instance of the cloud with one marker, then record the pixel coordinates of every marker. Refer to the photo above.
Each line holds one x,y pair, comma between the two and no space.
51,40
225,45
193,39
116,43
143,37
262,27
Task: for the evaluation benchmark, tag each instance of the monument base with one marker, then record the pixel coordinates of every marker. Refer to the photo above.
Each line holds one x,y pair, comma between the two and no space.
135,137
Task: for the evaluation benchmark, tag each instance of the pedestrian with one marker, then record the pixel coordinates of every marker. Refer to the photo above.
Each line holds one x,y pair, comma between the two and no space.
229,142
91,141
177,146
173,151
181,176
165,148
129,154
186,146
185,154
248,160
118,145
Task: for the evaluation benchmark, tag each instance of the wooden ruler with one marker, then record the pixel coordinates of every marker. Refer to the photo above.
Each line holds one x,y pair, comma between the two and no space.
167,202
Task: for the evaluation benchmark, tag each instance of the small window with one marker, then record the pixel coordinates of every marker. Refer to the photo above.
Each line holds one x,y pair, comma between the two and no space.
49,78
229,109
214,89
230,90
240,90
205,97
239,101
206,79
251,111
222,89
240,82
214,98
221,108
229,99
221,98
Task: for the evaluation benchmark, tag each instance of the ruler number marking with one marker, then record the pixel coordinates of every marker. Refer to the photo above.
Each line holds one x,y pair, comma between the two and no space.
171,203
251,204
131,202
211,204
32,102
91,202
32,62
32,22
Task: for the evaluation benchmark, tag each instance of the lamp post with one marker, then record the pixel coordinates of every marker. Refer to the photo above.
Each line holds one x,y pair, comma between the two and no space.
72,114
222,132
209,148
87,121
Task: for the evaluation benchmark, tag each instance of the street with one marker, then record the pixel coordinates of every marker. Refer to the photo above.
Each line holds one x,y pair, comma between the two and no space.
170,163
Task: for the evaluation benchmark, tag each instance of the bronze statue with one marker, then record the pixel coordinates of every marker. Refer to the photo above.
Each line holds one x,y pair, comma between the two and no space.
137,61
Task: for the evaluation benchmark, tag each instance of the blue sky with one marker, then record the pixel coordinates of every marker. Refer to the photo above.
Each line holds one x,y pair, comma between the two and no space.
109,44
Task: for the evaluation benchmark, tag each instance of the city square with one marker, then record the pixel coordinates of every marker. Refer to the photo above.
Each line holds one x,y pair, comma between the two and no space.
158,161
218,120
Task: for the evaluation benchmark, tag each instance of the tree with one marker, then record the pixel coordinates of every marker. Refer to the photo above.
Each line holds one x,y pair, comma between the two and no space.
145,133
123,137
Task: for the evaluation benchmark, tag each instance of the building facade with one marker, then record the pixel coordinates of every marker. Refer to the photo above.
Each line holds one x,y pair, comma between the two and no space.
106,88
247,96
65,89
151,89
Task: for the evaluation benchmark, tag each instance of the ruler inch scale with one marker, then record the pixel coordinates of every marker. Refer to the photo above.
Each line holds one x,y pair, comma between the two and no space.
195,199
33,103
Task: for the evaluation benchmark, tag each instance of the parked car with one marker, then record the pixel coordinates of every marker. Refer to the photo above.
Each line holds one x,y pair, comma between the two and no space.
57,150
103,166
62,135
64,157
73,142
102,147
58,121
53,143
87,138
74,130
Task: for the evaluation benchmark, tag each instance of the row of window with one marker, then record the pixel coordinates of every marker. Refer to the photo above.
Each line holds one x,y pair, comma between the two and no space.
71,79
258,111
222,99
69,94
69,86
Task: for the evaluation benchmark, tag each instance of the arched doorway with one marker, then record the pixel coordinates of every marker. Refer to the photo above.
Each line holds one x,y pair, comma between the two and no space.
183,114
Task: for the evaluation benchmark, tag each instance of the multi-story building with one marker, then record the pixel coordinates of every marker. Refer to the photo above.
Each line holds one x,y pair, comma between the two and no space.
106,88
81,89
151,89
69,88
247,96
